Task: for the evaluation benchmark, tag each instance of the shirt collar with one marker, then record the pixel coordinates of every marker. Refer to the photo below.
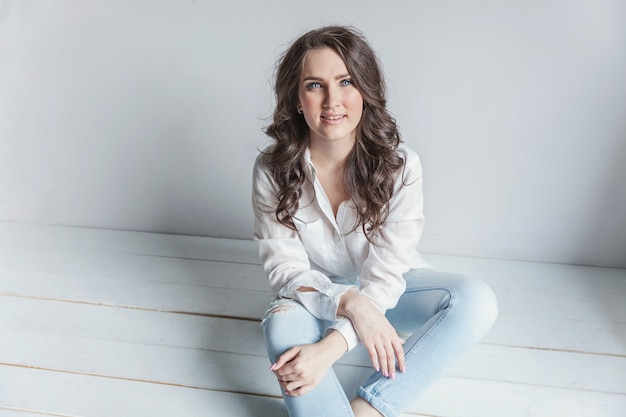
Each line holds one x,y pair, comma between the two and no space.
309,163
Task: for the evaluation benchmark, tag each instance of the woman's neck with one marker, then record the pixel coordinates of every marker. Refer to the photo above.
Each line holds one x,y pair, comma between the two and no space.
330,154
329,159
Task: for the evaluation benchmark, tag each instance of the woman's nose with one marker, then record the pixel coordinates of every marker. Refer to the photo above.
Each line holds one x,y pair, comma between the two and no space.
332,98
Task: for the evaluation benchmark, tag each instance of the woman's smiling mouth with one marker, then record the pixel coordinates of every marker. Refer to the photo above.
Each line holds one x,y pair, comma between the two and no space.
332,118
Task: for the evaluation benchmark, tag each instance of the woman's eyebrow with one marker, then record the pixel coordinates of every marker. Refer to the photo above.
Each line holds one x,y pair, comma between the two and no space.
314,78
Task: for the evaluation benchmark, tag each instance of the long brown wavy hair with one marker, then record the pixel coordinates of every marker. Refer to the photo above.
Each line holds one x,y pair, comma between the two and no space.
371,167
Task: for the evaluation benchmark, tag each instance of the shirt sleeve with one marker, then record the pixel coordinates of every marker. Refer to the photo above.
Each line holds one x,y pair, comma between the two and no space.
395,242
284,256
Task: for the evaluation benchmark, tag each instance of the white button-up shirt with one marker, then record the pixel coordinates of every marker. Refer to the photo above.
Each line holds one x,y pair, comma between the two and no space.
325,253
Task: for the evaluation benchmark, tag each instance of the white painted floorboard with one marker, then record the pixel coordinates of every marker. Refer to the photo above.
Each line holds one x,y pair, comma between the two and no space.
114,323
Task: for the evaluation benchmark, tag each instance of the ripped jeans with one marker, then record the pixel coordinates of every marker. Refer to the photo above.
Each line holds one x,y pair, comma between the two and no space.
443,314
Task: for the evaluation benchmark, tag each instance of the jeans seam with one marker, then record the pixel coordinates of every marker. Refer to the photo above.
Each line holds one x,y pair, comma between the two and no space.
379,385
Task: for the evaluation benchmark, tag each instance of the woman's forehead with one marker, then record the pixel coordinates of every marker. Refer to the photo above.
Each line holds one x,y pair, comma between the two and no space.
323,63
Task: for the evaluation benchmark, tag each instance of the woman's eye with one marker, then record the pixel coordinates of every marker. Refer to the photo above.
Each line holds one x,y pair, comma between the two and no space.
345,83
314,85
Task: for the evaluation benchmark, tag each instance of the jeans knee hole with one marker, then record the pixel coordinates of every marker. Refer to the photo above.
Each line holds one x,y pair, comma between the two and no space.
279,308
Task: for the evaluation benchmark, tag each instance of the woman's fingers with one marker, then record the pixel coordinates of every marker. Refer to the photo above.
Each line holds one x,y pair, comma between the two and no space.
303,367
374,357
378,336
284,379
395,357
288,380
391,361
298,391
386,362
386,356
293,385
285,358
295,389
399,352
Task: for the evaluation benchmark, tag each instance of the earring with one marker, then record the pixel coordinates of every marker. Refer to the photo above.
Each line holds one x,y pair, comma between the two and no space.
299,111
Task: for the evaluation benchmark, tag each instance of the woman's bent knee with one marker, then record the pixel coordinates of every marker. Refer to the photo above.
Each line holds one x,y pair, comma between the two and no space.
480,302
286,324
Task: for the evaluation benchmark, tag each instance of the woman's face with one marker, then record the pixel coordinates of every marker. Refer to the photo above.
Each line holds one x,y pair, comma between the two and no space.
331,105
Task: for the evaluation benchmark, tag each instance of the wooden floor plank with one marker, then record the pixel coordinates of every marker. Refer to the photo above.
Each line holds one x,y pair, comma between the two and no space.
198,299
134,268
535,275
456,397
91,396
137,326
558,334
43,238
574,303
13,412
575,371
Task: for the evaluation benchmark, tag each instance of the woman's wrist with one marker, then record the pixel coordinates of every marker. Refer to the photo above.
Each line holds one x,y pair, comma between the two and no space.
347,303
335,343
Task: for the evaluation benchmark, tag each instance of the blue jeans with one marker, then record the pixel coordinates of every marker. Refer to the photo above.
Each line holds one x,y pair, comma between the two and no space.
444,315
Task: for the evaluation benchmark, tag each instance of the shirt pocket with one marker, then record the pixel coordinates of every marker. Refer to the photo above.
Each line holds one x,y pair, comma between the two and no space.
314,239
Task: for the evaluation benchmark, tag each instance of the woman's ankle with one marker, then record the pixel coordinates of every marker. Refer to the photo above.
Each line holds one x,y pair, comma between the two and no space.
362,408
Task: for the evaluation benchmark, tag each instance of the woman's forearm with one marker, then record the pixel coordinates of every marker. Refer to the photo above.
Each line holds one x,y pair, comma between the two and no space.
334,340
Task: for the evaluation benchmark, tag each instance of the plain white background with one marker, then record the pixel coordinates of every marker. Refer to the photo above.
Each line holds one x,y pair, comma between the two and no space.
147,115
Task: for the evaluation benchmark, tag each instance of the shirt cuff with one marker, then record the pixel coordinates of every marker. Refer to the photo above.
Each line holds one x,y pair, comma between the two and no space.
344,326
323,302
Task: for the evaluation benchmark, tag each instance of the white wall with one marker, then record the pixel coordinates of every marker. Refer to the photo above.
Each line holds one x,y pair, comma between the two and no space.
146,115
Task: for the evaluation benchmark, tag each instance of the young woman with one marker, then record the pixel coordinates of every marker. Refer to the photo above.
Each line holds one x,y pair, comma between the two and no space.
338,216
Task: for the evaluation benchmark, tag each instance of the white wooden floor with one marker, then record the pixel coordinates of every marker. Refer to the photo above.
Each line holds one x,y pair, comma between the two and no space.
108,323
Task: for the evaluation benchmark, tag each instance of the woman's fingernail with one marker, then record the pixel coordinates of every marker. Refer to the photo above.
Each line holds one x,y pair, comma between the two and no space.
272,367
403,369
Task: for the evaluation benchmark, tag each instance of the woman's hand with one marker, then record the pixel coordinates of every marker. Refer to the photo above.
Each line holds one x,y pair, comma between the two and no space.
376,333
302,368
